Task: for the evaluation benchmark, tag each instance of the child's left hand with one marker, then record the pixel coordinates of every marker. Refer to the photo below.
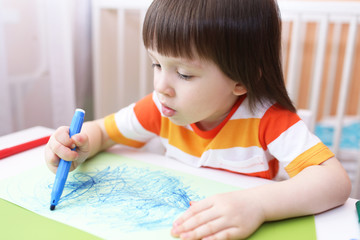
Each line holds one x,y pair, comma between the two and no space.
223,216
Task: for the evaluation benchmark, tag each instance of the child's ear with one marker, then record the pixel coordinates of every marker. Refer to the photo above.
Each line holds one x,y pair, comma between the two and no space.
239,89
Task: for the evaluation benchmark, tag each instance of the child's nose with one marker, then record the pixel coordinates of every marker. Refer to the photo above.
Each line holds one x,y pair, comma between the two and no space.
163,85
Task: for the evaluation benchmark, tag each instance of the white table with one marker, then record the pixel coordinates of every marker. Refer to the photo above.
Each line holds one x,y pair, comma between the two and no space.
339,223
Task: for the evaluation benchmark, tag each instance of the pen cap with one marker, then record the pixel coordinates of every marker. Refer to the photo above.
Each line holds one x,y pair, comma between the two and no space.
77,122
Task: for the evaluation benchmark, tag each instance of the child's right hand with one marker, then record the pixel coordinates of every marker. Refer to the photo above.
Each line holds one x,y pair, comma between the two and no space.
60,145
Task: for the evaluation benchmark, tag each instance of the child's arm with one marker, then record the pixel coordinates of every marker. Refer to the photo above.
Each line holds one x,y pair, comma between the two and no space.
91,140
238,214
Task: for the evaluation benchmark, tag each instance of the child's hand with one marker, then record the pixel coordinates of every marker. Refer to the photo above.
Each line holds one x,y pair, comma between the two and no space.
60,145
231,215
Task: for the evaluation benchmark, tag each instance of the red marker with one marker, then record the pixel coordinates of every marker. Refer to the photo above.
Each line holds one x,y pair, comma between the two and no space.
6,152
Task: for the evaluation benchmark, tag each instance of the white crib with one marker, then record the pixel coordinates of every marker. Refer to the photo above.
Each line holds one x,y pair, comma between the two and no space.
122,73
332,96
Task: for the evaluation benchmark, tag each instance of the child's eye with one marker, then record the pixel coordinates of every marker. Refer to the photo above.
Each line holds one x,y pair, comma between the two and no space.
185,77
156,65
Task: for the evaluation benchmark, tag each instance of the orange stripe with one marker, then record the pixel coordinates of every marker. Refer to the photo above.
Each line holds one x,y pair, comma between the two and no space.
148,114
275,121
183,138
115,134
243,133
314,156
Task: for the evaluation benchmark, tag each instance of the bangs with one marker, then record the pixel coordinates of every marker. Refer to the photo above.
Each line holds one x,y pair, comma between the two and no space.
177,29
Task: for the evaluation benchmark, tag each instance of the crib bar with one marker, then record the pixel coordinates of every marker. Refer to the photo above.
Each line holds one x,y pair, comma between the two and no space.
345,82
285,43
123,4
294,59
332,69
121,87
313,7
318,71
143,61
356,185
332,18
62,84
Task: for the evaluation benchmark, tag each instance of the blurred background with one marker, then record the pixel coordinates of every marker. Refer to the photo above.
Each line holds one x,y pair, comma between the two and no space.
45,62
59,55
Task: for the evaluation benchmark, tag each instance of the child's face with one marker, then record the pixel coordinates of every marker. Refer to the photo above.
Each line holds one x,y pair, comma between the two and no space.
193,90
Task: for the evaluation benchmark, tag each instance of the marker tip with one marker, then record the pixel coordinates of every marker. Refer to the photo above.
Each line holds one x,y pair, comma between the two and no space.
52,207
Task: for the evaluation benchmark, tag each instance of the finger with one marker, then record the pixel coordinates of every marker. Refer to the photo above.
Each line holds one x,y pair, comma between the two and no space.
51,159
82,148
209,226
228,233
62,136
64,152
195,208
82,142
61,144
197,214
200,219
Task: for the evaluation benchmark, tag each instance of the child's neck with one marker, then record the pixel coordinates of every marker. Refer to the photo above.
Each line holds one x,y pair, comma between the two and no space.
210,125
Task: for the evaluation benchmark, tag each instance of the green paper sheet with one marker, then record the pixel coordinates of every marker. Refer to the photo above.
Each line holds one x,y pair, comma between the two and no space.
19,223
114,197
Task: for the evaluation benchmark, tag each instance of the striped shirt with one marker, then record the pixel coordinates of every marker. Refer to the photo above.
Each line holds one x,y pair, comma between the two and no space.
250,143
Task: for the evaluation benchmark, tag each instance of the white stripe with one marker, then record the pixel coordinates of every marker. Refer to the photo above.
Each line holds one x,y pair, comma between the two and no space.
237,159
293,142
129,126
243,112
175,153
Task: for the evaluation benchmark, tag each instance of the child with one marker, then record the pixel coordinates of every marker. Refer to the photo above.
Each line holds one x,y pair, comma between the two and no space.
220,101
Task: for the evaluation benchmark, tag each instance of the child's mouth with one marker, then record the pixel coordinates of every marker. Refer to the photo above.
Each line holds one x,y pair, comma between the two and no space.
168,112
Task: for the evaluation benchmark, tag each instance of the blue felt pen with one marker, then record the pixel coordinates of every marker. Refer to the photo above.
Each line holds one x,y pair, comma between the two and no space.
64,166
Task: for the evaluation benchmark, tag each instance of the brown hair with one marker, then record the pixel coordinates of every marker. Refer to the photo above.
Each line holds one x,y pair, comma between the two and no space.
242,37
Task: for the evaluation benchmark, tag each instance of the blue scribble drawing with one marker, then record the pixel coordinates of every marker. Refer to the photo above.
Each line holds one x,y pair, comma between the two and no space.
128,198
